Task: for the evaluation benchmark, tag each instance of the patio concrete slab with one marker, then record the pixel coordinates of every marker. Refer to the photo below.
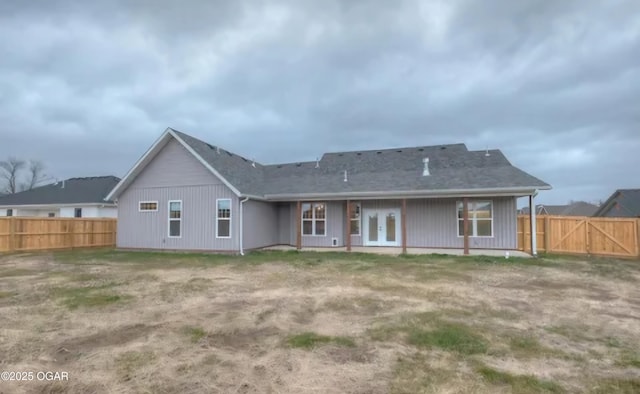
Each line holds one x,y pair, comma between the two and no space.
394,251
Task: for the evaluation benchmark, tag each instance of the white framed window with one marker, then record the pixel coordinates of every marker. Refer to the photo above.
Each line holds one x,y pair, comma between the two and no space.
314,219
480,219
223,218
9,212
354,218
148,206
77,213
175,218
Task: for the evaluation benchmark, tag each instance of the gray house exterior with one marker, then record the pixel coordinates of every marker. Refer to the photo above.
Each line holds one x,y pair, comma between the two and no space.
185,194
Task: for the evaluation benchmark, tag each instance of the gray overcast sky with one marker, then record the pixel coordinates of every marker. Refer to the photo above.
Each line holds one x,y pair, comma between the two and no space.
555,84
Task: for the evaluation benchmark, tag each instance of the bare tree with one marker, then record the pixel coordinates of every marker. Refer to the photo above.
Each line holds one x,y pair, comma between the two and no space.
9,170
36,174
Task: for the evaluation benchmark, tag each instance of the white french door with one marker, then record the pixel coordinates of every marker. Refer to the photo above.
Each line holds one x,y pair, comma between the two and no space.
381,227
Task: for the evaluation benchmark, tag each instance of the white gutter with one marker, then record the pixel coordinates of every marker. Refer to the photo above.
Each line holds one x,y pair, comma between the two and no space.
523,191
241,209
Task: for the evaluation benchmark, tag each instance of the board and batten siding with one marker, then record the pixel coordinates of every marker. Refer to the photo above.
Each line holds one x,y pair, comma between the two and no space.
259,224
334,225
432,223
174,174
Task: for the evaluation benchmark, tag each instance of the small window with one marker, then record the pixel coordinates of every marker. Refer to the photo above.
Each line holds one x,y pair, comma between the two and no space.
354,216
223,218
175,219
480,219
52,215
9,212
148,206
314,219
77,213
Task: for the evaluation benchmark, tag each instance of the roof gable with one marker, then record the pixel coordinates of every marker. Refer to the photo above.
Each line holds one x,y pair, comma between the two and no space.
627,201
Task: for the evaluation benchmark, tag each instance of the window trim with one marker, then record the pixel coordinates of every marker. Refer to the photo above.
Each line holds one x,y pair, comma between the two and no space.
169,219
359,219
229,218
473,221
313,219
148,202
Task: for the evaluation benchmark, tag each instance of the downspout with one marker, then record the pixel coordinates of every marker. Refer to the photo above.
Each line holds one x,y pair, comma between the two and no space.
241,220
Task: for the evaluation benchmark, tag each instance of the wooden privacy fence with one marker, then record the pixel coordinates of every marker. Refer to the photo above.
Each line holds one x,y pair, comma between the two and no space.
617,237
29,233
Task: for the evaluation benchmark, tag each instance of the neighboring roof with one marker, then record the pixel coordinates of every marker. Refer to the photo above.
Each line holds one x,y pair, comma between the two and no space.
578,208
626,201
70,191
452,168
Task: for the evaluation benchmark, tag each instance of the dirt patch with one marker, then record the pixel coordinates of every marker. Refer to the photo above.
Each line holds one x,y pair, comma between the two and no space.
225,327
72,349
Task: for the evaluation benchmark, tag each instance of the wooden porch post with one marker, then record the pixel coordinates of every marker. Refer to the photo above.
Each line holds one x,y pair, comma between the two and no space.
465,223
403,225
299,225
532,225
347,226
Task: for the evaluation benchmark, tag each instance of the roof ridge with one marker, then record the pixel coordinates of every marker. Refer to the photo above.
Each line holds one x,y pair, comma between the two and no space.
399,148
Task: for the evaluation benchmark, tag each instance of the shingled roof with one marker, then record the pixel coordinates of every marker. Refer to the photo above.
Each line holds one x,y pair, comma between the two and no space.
400,170
622,203
90,190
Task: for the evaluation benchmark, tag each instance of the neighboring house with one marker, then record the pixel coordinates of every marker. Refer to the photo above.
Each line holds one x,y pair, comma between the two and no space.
578,208
75,197
185,194
623,203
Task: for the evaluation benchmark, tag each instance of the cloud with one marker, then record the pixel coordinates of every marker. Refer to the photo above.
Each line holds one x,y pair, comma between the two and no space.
88,87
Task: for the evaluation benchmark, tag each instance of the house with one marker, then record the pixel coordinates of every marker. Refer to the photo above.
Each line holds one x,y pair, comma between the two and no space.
185,194
624,203
575,208
75,197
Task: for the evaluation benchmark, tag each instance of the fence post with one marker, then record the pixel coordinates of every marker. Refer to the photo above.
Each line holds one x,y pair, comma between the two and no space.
547,236
587,235
638,237
12,234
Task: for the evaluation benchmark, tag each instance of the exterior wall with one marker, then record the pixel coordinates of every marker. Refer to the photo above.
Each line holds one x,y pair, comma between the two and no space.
432,223
90,211
335,226
174,174
259,224
284,224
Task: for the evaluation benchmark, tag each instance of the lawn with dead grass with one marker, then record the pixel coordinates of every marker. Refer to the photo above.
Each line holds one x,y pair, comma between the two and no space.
287,322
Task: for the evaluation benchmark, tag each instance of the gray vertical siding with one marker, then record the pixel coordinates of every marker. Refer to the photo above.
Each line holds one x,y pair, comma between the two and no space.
174,174
433,223
335,226
260,221
284,224
174,166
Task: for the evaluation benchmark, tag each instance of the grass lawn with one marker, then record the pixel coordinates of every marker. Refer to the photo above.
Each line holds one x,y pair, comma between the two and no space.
288,322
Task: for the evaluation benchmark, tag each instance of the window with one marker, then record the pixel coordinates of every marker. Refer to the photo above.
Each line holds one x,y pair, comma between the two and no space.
77,213
148,206
52,215
9,212
175,219
354,215
314,219
223,218
480,219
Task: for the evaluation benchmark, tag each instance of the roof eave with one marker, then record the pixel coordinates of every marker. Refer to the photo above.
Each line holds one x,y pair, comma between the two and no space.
487,192
66,204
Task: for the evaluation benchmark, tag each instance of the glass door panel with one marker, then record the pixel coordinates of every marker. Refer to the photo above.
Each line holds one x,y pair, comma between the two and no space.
373,227
391,227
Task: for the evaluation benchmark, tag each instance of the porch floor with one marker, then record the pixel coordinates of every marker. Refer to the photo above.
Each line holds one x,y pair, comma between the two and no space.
398,250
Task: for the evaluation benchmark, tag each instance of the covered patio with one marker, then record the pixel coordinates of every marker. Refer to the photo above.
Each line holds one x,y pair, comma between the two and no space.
396,251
